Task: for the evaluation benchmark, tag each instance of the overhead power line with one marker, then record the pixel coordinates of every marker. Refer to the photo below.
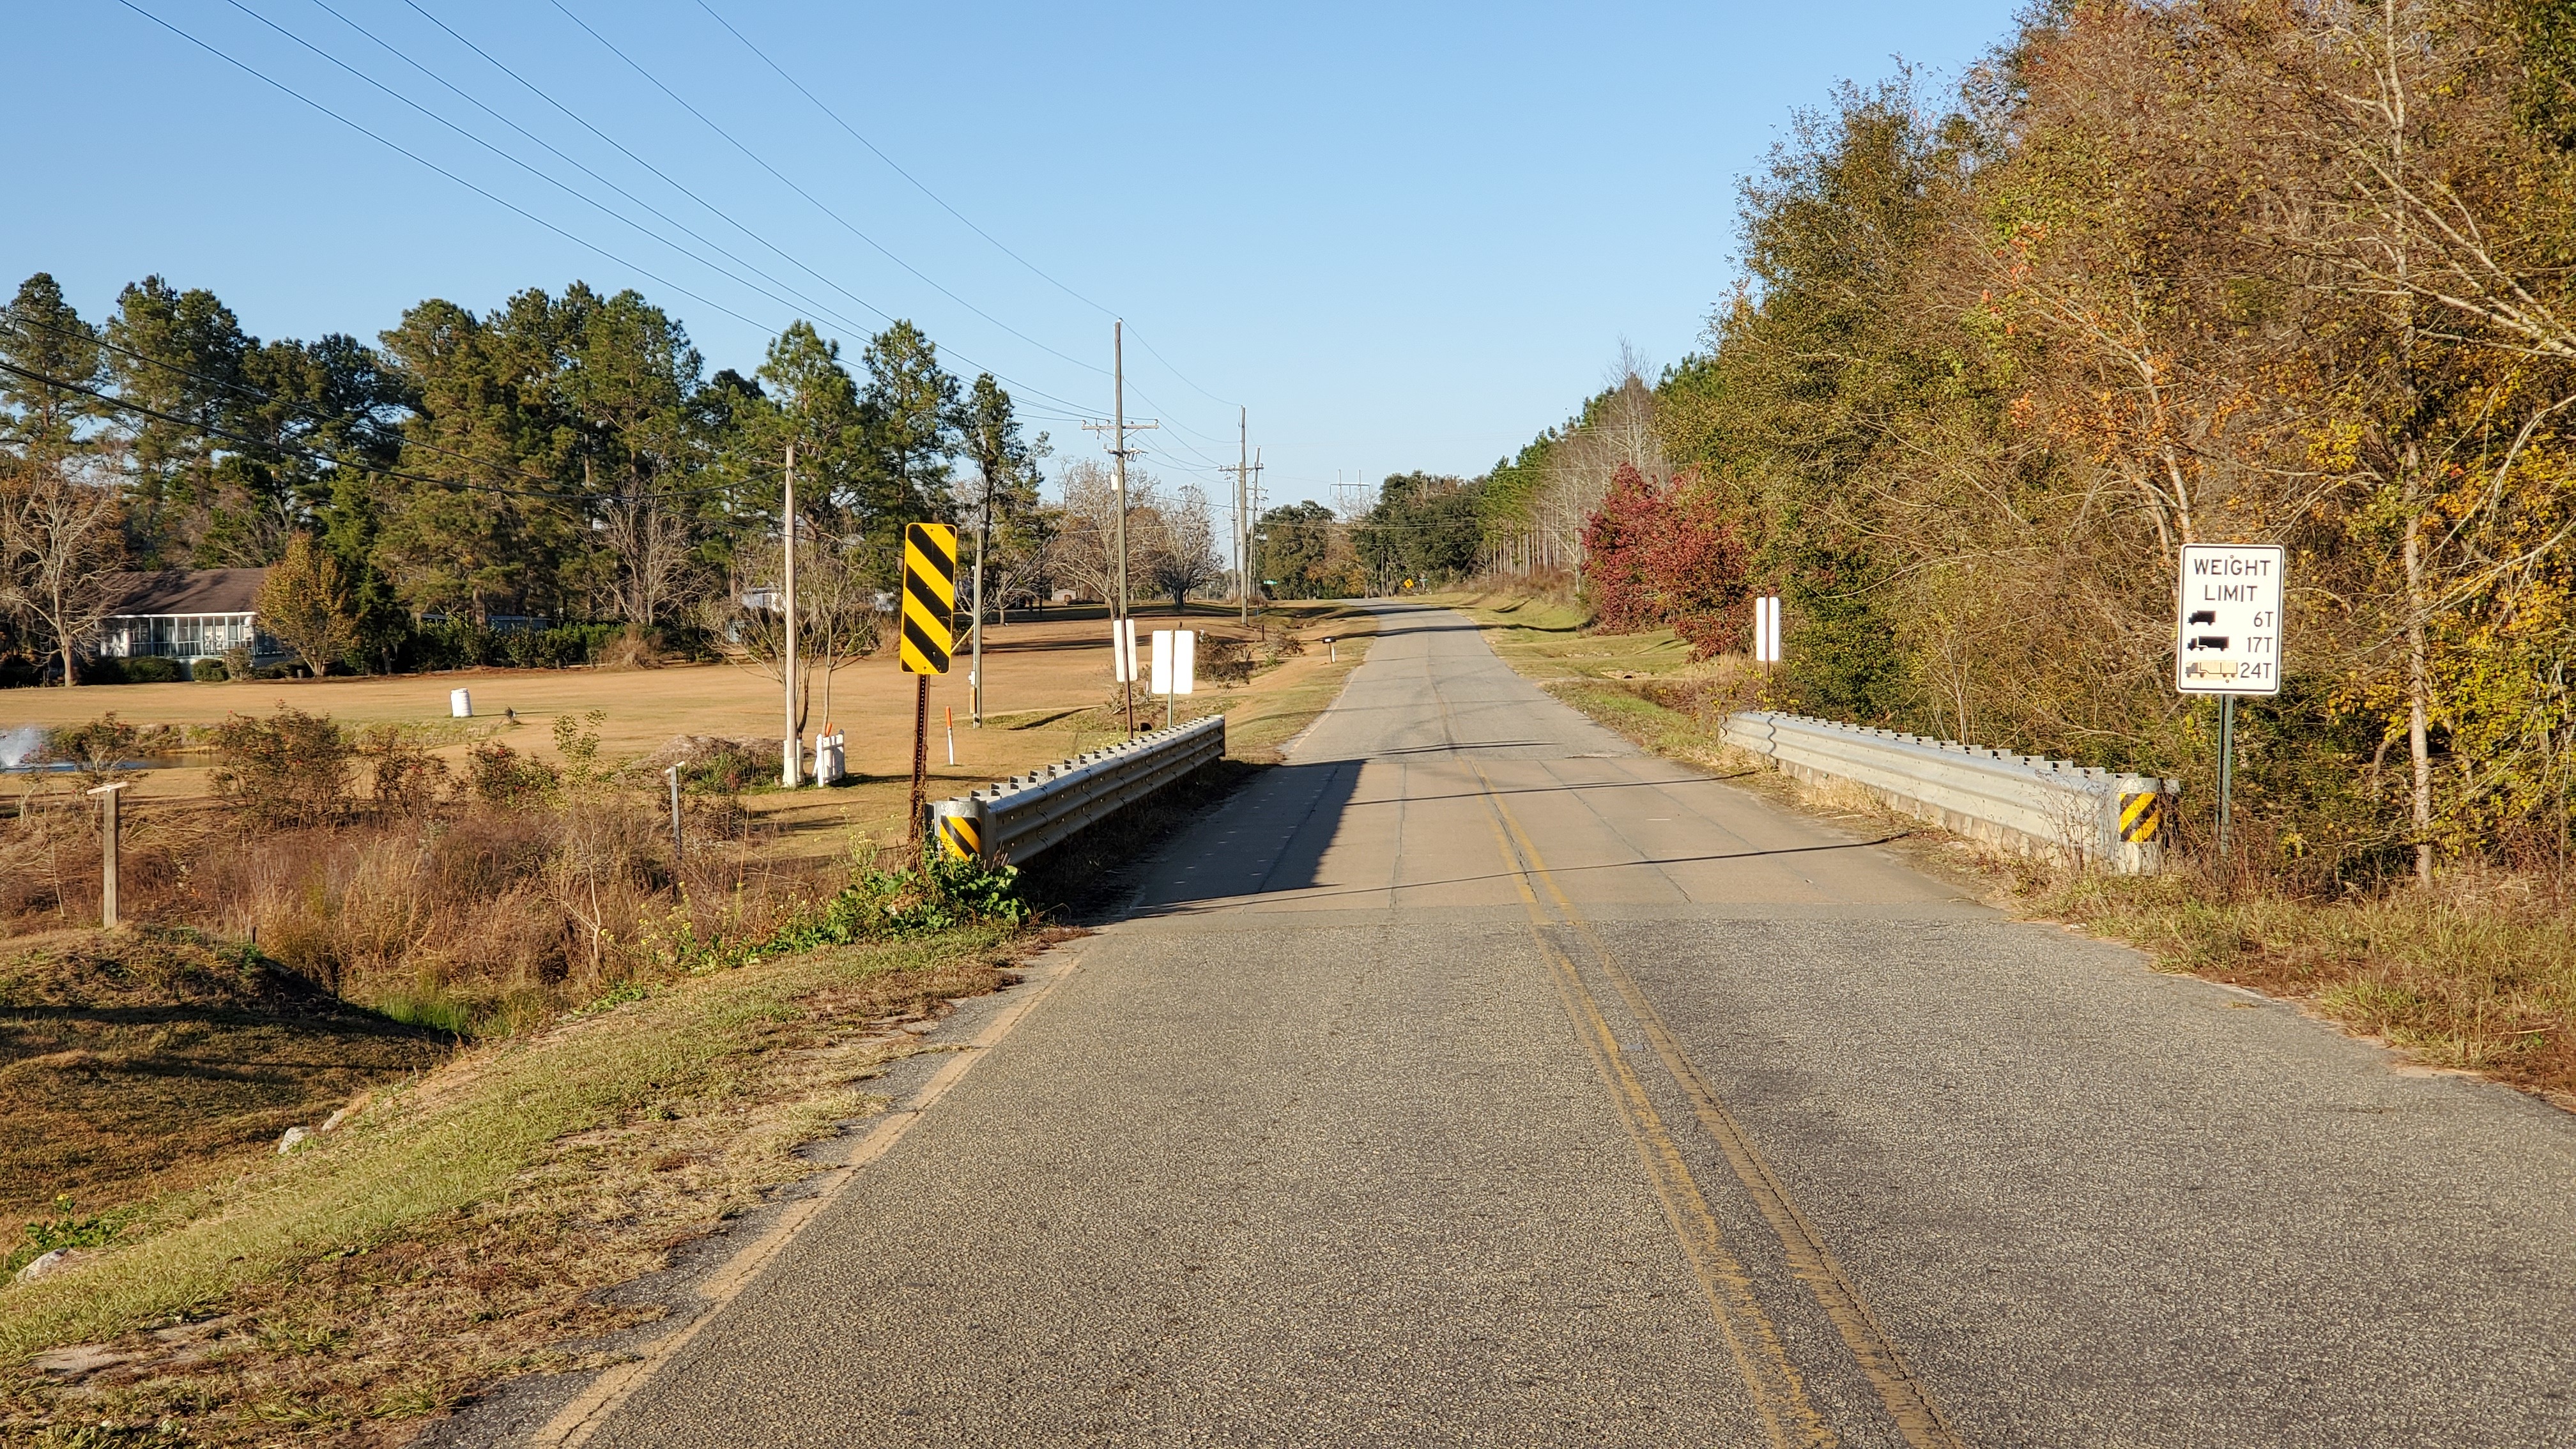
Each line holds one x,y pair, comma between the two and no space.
522,212
667,179
793,300
550,148
897,167
817,202
512,207
942,202
1169,366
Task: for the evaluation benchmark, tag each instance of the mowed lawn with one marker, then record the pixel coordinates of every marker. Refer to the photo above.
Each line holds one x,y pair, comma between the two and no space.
1047,694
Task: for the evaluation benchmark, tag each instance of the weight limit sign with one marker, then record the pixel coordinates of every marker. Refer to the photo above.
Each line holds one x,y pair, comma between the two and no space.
2228,619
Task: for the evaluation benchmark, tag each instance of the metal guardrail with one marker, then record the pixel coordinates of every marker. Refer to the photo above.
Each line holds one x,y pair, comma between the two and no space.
2023,802
1015,819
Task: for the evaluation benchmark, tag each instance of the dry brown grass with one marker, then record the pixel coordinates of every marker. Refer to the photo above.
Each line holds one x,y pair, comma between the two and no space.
457,1229
2477,974
458,1232
473,916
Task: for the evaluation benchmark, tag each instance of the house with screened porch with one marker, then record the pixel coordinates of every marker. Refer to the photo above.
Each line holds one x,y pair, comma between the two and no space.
184,615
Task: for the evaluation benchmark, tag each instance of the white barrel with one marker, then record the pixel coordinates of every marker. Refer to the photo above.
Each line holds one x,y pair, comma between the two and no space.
460,704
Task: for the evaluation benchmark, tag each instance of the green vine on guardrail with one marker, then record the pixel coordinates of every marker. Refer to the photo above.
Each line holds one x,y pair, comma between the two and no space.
934,894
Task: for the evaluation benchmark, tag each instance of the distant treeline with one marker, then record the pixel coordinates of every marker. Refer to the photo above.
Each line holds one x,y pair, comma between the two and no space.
563,456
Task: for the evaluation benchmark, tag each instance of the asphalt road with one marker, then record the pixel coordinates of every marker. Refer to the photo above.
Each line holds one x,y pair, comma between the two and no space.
1475,1080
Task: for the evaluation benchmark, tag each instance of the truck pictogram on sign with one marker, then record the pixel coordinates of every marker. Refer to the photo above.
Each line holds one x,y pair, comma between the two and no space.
2228,619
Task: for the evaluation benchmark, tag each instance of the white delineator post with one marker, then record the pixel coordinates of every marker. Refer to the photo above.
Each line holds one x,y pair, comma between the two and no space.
1766,629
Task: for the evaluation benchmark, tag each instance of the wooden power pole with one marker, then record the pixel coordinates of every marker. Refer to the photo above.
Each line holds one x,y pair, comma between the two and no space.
1118,427
792,772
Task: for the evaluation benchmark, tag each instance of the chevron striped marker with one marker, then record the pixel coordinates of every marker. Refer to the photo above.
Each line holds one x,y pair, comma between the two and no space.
929,597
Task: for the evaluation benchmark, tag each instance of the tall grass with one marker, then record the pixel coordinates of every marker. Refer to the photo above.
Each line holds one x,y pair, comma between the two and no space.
476,906
2477,973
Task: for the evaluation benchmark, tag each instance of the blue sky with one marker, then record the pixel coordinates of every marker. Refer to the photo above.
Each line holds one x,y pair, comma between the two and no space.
1403,237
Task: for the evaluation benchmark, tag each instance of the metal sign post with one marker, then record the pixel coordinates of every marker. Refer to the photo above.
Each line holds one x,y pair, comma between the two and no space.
2227,640
1175,664
929,636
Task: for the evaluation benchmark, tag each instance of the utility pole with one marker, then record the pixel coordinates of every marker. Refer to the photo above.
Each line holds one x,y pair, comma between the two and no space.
1117,428
1242,500
1244,473
791,775
975,670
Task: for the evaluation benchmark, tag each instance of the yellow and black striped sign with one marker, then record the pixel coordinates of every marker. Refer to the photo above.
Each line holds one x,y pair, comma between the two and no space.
960,836
2141,816
929,597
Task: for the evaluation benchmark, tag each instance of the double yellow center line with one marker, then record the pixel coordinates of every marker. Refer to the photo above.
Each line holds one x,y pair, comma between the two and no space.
1779,1394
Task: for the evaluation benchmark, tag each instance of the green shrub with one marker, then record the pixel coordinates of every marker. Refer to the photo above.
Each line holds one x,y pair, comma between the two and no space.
210,671
149,669
937,894
729,769
500,775
289,769
65,1229
94,750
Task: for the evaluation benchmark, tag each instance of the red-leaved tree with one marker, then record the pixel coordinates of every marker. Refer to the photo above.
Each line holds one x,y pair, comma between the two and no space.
1666,556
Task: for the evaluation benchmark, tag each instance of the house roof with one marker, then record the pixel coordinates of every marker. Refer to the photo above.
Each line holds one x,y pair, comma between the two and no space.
184,591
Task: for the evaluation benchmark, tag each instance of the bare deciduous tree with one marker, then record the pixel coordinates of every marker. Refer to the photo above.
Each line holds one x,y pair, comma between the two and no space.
58,544
1086,552
1181,556
837,620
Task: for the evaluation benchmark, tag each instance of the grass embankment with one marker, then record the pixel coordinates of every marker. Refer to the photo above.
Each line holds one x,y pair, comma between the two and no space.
131,1065
455,1228
2478,974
